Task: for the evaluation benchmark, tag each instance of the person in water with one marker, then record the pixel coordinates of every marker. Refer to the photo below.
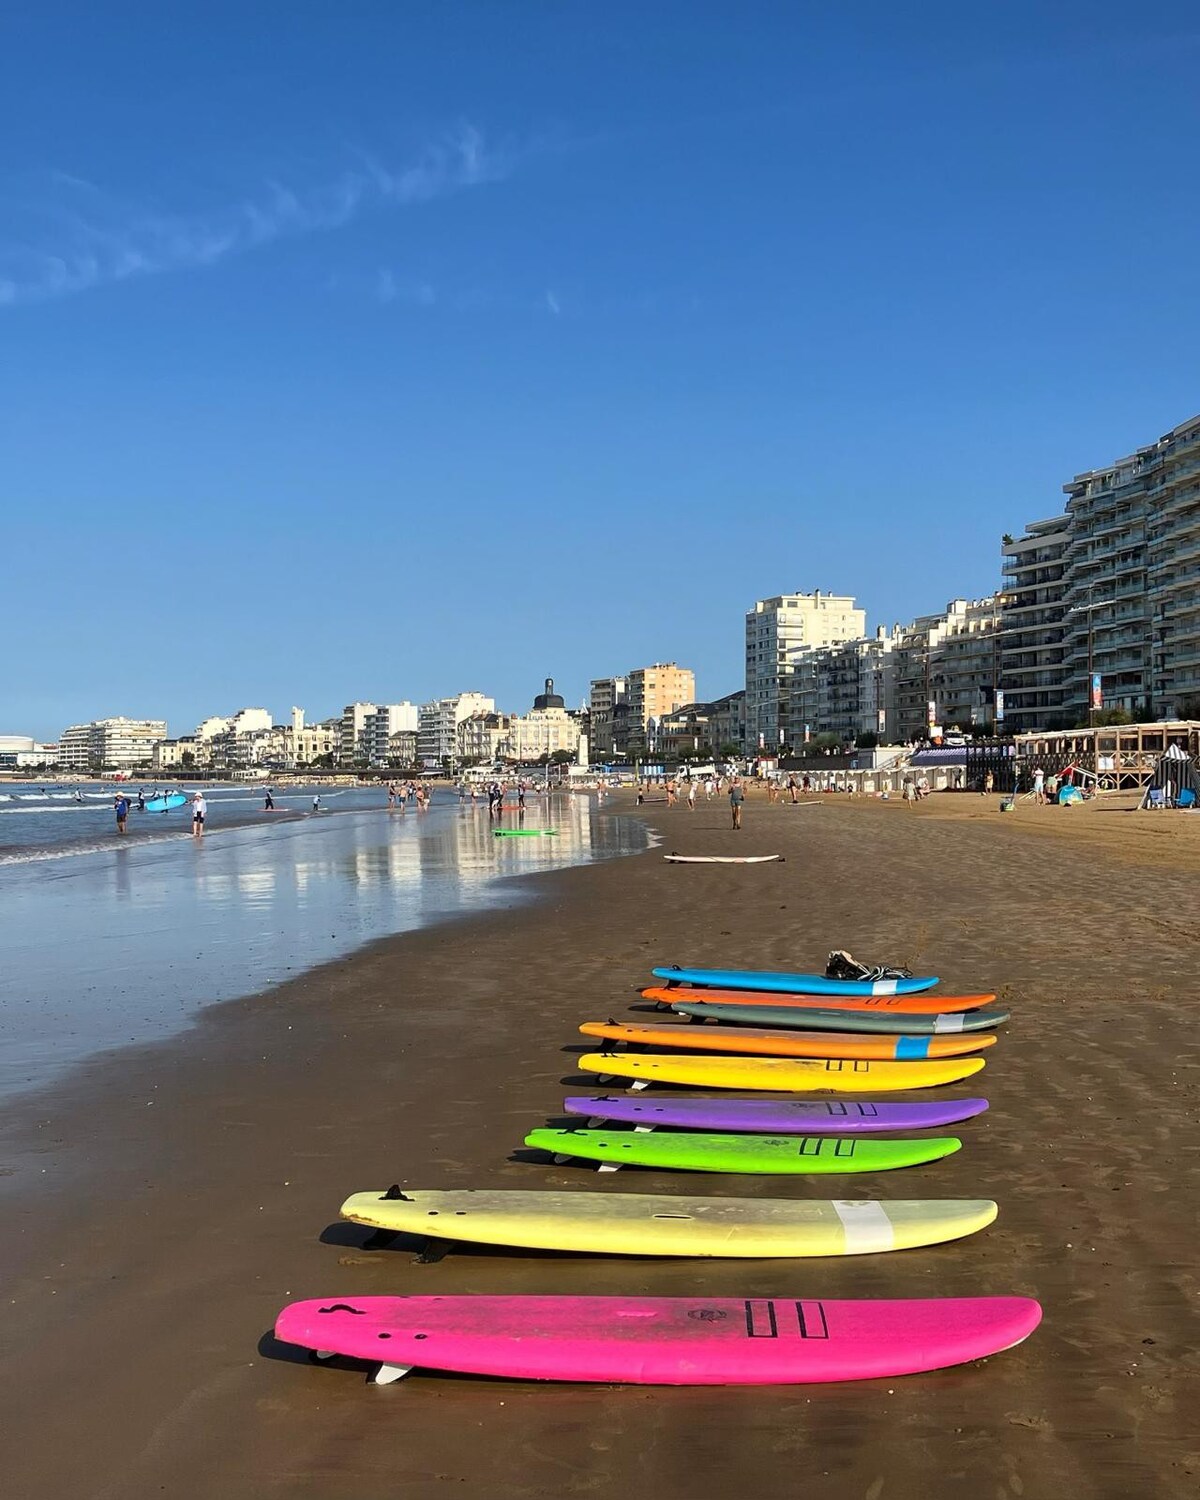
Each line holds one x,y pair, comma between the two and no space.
121,807
316,807
269,804
141,800
199,813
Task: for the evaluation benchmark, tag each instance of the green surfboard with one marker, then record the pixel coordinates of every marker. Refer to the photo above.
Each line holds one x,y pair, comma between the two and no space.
524,833
799,1155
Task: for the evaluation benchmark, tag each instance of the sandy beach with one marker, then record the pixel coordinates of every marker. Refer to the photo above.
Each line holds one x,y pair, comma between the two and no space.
165,1202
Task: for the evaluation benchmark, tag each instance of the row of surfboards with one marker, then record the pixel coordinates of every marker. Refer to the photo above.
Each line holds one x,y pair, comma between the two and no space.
689,1340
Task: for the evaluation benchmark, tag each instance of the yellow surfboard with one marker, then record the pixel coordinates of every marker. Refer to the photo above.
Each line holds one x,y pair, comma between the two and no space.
786,1074
669,1224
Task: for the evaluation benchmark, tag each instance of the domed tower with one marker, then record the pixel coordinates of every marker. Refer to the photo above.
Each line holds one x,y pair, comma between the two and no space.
549,699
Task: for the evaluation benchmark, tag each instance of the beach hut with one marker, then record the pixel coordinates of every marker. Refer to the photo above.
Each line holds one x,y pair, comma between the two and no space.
1174,782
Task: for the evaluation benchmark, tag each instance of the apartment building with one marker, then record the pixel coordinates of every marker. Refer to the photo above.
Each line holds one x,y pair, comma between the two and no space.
117,744
438,721
184,754
605,696
479,737
965,667
652,692
847,689
1109,589
776,630
1173,572
705,728
1033,626
352,741
379,728
236,739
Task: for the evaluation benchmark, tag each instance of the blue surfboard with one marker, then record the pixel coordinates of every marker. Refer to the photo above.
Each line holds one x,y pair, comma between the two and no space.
167,803
792,984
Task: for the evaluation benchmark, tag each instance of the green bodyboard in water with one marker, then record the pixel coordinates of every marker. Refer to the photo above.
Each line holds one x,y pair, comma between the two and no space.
524,833
741,1153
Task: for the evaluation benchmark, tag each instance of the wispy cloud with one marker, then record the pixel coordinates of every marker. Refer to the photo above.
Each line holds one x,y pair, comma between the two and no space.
552,303
389,288
90,239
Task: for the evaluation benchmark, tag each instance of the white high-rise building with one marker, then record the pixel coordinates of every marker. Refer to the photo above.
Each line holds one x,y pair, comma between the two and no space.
352,744
776,630
378,728
117,744
438,721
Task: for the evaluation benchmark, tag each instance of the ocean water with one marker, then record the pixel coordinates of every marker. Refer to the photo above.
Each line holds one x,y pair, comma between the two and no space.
107,941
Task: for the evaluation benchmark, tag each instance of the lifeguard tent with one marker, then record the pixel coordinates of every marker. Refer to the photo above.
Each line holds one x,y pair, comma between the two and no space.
1174,782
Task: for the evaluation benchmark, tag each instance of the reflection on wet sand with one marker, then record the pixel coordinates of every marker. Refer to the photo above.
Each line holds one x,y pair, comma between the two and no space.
123,945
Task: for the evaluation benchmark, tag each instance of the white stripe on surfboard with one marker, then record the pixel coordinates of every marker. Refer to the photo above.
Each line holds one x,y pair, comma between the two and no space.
866,1226
954,1022
884,987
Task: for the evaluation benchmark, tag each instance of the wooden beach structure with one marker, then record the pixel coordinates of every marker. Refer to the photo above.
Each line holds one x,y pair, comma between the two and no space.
1115,757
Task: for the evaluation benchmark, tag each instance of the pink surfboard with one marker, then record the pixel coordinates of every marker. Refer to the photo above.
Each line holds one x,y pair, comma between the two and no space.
660,1340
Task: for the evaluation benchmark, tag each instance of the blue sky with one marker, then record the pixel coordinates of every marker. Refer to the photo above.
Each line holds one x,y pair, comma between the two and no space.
378,350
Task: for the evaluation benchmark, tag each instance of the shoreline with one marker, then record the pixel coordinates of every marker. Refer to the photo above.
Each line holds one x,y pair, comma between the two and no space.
192,1187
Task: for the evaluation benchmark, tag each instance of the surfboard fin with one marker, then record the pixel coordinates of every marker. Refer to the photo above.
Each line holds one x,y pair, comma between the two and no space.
394,1195
389,1374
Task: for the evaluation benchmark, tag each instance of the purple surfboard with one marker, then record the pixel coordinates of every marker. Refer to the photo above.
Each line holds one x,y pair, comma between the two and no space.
774,1116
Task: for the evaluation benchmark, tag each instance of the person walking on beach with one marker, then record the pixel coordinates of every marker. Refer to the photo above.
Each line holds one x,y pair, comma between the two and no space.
199,813
736,797
121,808
989,782
316,807
670,793
1039,786
691,795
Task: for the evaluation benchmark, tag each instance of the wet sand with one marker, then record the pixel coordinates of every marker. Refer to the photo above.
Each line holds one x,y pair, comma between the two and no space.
165,1203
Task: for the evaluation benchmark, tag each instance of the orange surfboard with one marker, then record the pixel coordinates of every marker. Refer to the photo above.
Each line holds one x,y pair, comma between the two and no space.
850,1046
887,1005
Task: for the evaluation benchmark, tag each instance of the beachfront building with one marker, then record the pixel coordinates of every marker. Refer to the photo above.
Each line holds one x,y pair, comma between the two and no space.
1107,602
117,744
1173,572
776,630
182,754
380,727
438,721
1110,590
352,742
946,668
965,663
651,692
847,689
22,752
73,747
1033,626
606,695
709,729
727,723
542,732
240,739
549,728
479,737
